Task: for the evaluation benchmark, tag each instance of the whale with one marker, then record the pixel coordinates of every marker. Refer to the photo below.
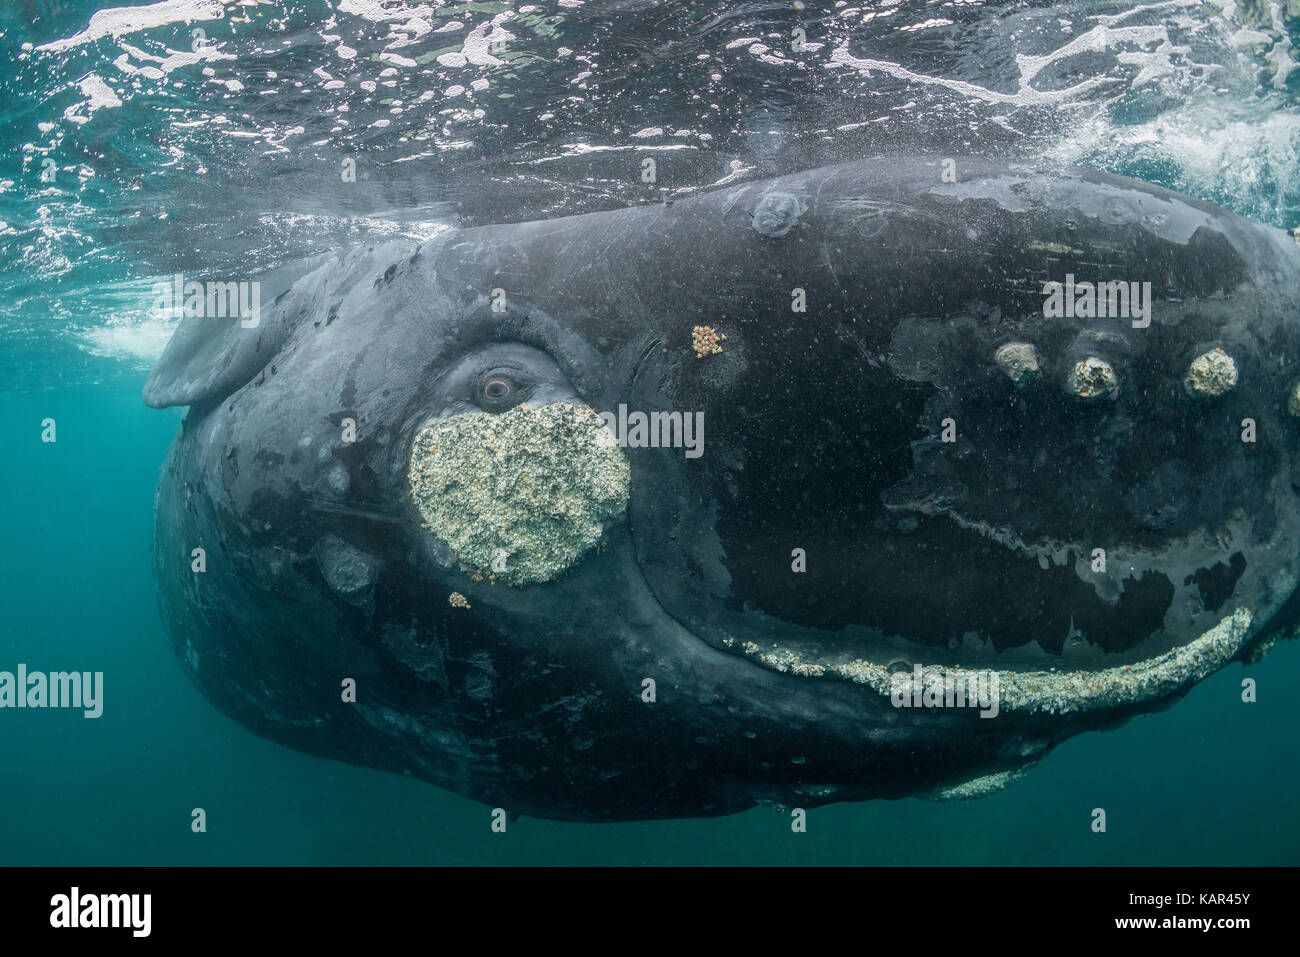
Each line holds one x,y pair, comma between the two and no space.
870,481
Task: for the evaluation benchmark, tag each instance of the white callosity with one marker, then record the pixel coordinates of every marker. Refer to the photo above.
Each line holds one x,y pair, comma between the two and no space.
1211,374
522,495
1018,360
1092,378
1059,692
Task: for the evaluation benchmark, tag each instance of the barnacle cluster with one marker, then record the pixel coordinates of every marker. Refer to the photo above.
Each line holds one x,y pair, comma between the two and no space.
1211,374
1092,378
706,341
522,494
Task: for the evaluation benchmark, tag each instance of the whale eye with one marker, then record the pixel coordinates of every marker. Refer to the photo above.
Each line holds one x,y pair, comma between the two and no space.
500,388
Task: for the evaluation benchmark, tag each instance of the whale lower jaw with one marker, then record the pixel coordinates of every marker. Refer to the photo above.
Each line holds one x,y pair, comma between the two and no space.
1053,691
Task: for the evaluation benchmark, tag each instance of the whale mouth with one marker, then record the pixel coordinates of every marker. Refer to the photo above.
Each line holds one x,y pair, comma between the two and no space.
1055,690
830,531
1078,677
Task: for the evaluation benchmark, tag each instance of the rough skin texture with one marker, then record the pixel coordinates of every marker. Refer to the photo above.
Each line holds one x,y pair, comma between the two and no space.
519,496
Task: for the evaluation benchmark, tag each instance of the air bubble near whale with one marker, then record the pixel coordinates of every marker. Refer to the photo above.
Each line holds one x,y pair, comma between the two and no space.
400,477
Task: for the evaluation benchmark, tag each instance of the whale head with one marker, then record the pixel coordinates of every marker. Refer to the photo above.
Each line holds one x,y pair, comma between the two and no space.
864,482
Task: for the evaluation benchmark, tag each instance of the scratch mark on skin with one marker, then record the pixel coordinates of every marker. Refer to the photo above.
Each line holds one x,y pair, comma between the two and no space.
884,207
514,276
650,348
360,510
817,196
735,198
830,268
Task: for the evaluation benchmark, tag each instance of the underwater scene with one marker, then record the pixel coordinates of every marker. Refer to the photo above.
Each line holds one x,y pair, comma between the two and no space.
618,432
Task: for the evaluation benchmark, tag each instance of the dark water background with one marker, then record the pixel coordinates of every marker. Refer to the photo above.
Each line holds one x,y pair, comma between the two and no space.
227,173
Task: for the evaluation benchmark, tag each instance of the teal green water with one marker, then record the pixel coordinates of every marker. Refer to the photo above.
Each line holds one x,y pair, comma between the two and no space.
222,165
